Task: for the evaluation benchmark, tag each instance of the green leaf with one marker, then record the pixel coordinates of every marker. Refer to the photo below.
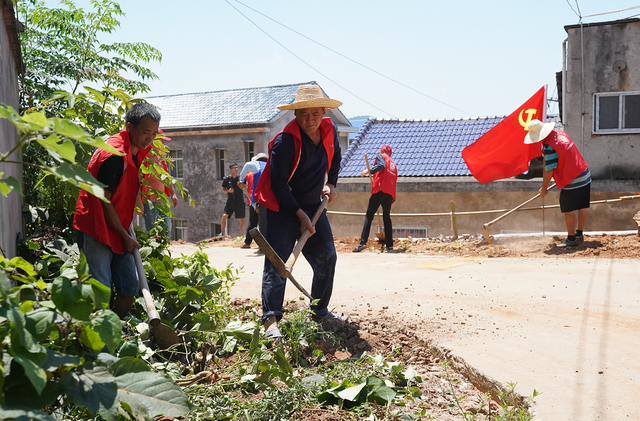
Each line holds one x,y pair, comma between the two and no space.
100,293
20,263
32,365
129,365
79,177
242,331
104,329
382,395
67,296
283,363
188,294
39,322
107,324
351,393
65,149
5,284
128,349
155,392
56,360
24,415
94,388
8,184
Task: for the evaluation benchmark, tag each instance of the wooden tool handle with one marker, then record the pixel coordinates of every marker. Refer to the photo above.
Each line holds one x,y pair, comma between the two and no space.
305,236
154,316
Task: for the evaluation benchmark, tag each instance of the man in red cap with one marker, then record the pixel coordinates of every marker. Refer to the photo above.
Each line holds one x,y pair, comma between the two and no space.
383,192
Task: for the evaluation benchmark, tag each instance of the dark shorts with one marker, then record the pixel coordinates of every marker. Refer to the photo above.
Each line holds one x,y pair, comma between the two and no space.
235,208
575,199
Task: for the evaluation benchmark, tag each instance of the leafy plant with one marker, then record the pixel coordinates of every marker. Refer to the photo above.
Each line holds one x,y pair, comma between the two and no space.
57,341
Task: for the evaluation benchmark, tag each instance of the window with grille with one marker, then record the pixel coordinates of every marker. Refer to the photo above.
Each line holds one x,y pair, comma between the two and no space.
180,229
617,112
220,158
248,150
176,169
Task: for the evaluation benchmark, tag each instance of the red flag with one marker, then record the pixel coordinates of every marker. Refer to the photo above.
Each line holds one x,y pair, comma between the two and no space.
501,152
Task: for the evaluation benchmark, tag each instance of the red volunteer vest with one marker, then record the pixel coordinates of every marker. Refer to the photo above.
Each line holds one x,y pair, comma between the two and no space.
89,216
385,180
570,162
264,195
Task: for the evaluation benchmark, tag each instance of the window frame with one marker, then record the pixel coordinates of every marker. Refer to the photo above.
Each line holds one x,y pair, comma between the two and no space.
220,161
181,225
177,164
620,129
249,150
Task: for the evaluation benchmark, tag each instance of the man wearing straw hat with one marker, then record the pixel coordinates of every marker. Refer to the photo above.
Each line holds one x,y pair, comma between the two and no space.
564,163
383,192
303,166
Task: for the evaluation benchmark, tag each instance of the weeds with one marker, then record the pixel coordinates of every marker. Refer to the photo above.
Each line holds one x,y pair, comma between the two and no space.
511,408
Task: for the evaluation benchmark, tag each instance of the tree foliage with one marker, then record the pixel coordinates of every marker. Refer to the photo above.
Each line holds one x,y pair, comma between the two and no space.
61,48
70,74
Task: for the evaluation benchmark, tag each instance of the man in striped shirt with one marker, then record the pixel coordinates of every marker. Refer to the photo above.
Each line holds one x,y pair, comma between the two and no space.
568,168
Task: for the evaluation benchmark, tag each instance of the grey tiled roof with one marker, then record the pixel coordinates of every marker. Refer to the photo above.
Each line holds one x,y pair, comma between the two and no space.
420,148
219,108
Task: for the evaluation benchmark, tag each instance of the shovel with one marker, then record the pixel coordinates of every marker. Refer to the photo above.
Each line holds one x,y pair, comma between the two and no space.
379,233
286,268
165,336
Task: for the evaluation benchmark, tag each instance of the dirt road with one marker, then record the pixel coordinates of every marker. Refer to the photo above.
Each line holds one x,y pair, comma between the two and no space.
567,327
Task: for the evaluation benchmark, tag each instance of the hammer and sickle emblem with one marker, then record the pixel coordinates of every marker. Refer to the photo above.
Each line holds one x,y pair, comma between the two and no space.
530,113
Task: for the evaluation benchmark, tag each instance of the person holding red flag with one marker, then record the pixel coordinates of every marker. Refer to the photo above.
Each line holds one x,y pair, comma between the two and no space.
383,192
569,170
500,153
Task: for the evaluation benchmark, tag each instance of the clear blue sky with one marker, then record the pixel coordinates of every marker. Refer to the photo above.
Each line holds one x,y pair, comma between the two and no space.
482,58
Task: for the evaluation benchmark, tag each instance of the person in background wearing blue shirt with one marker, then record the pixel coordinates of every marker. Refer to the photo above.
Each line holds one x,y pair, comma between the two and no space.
303,166
569,170
255,167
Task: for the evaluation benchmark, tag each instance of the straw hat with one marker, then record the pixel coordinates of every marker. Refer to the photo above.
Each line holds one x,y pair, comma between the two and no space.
310,96
261,156
538,131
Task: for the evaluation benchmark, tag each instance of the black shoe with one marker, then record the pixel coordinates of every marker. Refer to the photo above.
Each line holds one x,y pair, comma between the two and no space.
580,239
566,243
359,248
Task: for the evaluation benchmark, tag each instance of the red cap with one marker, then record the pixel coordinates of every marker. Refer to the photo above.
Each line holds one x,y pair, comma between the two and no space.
167,139
385,149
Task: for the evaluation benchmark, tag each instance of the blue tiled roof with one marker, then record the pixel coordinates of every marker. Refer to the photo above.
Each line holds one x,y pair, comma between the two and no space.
218,108
424,148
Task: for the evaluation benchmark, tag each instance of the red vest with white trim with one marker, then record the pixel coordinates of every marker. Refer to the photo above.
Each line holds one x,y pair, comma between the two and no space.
264,195
385,180
570,162
89,216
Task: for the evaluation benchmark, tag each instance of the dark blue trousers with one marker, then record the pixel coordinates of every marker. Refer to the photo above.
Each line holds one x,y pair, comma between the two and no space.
282,233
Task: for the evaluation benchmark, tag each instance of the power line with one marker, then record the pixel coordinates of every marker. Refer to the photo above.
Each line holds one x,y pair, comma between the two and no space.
354,61
313,68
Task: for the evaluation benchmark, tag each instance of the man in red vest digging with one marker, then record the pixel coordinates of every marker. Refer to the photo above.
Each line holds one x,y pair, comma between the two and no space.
569,170
303,166
103,227
383,192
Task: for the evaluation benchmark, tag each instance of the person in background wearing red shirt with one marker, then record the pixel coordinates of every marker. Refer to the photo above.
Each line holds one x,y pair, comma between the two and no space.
383,192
